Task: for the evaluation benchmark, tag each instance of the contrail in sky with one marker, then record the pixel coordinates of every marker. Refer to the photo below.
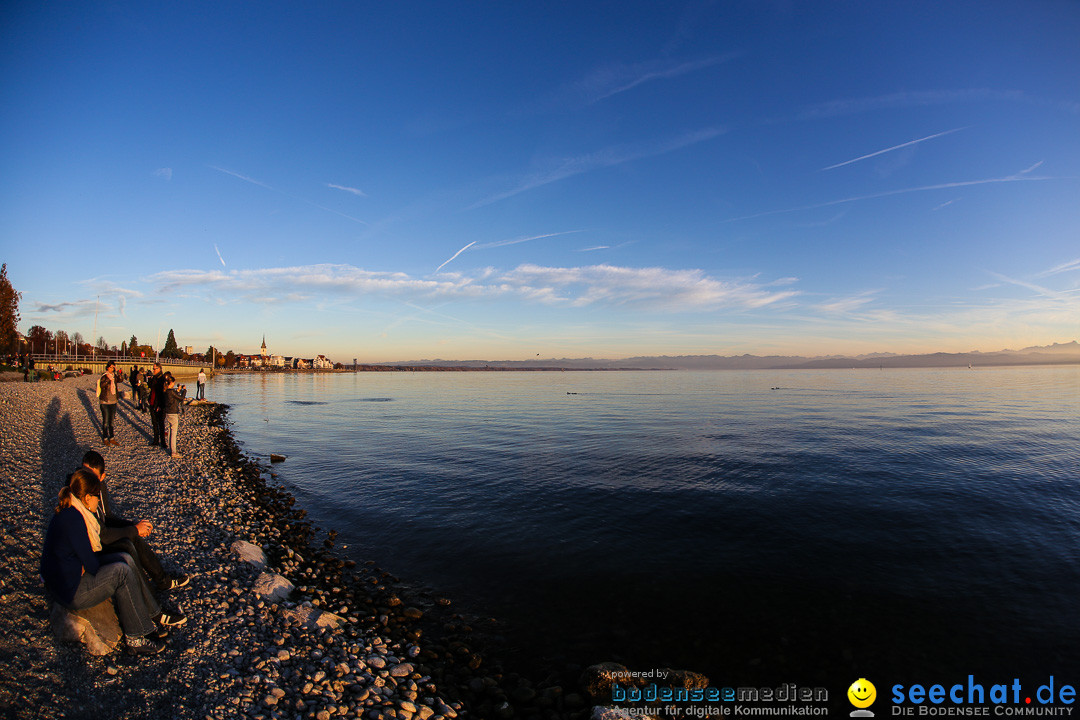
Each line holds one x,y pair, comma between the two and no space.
895,147
219,255
904,191
245,178
253,181
455,255
515,241
503,243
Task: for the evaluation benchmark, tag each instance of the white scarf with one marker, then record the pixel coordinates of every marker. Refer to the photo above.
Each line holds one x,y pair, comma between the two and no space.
93,527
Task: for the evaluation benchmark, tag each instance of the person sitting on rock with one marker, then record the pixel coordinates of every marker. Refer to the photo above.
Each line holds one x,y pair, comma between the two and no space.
78,575
121,535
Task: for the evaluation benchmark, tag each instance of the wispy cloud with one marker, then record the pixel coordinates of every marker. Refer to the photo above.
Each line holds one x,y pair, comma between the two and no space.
219,255
1039,289
352,190
1063,267
110,300
924,98
562,168
649,289
895,147
1019,177
613,79
163,173
848,304
656,288
79,308
947,203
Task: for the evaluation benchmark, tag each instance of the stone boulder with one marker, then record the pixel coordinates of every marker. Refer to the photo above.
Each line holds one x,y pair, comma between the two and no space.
596,680
249,553
272,587
601,712
685,679
313,618
96,627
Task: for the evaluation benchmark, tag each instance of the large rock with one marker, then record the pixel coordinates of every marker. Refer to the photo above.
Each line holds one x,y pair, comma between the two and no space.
272,587
96,627
597,679
685,679
601,712
249,553
312,619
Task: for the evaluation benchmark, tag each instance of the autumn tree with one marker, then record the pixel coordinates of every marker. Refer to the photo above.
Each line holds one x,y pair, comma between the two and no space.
133,345
39,339
9,313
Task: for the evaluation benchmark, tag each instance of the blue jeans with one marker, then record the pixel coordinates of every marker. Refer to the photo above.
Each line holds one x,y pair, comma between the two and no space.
117,579
108,412
200,391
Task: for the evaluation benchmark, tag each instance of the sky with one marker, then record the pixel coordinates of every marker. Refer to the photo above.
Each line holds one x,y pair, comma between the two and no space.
512,181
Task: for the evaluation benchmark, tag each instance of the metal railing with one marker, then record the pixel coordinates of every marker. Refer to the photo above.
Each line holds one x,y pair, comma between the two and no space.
43,360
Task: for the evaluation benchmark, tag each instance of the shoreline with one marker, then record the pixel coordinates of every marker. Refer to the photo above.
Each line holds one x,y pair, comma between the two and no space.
401,652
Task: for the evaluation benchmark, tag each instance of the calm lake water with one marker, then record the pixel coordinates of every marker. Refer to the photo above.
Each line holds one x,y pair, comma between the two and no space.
758,526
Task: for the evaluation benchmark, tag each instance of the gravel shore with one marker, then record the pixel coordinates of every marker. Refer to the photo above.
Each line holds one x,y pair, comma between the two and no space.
398,653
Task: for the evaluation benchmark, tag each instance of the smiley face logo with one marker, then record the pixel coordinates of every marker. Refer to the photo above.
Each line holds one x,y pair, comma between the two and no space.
862,693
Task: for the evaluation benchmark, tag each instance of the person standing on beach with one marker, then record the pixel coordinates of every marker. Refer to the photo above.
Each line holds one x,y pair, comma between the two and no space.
133,380
107,398
174,398
157,405
200,385
144,405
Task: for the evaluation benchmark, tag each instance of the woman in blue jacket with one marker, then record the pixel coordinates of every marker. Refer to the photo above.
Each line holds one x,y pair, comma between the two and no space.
79,577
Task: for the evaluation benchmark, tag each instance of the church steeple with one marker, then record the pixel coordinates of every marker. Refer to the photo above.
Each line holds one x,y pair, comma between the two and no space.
264,345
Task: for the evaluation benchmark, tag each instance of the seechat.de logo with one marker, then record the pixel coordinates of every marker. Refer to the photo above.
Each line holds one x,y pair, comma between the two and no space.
862,694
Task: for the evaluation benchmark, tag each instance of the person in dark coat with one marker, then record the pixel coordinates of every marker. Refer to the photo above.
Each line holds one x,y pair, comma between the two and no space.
157,405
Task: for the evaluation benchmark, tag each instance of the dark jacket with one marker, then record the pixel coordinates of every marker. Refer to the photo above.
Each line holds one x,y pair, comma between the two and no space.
67,551
173,400
157,391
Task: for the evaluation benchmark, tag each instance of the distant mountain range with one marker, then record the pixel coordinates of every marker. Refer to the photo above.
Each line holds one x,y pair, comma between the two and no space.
1056,354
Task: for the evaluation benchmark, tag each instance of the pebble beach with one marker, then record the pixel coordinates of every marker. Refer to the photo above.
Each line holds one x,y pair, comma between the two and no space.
349,640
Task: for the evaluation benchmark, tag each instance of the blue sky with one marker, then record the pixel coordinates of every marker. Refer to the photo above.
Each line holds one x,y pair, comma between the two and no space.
461,180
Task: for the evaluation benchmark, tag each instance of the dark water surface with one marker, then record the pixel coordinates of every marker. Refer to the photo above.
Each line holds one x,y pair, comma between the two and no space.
901,524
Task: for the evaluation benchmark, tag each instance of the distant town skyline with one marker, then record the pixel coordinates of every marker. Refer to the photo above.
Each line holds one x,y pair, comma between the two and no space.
409,181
